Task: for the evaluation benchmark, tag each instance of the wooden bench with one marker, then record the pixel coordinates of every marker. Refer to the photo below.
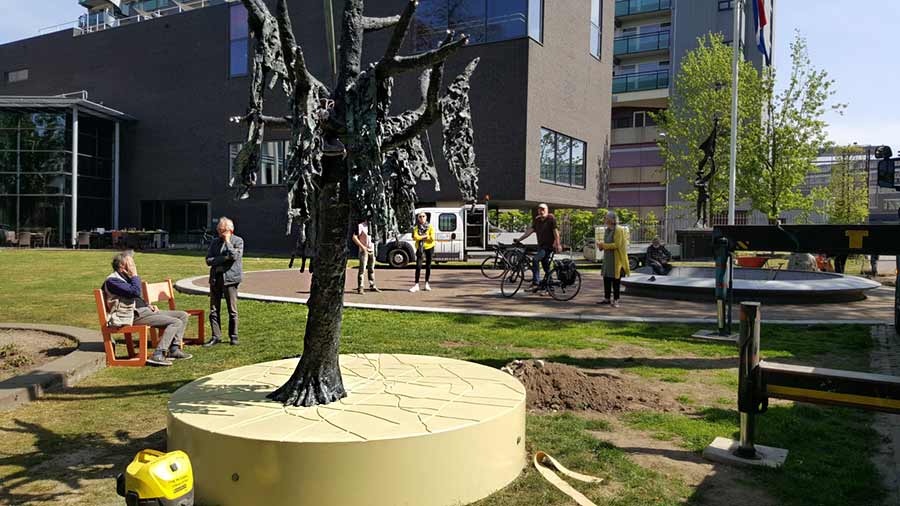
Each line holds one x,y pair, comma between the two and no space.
163,292
135,358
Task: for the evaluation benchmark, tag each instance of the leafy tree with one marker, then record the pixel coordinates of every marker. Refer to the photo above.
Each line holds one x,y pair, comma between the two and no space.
702,93
793,134
846,198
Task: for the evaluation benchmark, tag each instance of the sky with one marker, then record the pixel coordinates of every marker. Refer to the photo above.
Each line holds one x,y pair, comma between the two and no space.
851,40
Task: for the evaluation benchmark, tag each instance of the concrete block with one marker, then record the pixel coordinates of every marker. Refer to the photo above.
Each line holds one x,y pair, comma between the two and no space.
722,449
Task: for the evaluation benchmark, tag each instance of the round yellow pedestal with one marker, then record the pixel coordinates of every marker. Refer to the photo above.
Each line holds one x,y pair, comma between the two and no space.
413,430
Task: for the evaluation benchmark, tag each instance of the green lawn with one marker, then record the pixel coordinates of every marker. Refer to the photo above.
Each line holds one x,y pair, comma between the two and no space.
67,447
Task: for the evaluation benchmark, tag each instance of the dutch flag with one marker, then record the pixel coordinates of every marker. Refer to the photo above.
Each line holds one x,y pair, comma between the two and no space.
760,20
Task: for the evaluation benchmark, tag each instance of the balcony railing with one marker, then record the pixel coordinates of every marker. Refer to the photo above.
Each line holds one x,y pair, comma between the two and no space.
134,12
641,81
631,7
644,42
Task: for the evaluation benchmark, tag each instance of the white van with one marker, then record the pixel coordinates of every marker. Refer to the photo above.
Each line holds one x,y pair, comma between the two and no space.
458,232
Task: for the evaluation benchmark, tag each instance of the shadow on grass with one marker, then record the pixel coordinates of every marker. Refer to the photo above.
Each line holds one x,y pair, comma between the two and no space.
657,363
82,393
66,461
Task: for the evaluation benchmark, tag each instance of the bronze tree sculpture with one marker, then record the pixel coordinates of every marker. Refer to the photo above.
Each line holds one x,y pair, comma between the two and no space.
349,158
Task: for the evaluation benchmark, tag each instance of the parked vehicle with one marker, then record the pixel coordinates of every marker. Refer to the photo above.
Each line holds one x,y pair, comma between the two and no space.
459,232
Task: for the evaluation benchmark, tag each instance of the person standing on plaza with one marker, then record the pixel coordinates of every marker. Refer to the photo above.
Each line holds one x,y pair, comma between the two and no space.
366,245
615,258
224,259
544,227
423,235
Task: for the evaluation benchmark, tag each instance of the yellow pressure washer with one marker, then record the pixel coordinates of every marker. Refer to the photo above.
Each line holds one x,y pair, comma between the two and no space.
155,478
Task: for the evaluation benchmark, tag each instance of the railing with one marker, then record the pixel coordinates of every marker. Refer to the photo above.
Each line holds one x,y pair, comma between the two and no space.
641,81
104,20
641,43
630,7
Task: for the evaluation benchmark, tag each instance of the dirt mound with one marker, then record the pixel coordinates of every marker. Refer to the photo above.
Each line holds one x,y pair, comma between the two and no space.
555,386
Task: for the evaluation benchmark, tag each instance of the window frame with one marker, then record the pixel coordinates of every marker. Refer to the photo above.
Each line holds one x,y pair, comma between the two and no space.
598,24
9,76
280,163
455,222
728,5
572,168
232,40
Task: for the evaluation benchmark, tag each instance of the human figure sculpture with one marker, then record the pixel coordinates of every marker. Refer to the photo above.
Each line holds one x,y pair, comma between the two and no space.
701,183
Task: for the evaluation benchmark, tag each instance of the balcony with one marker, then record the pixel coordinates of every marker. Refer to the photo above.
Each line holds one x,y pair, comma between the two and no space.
625,8
643,43
634,135
641,81
129,13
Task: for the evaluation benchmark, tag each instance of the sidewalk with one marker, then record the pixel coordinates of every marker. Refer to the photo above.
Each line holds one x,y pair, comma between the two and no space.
466,291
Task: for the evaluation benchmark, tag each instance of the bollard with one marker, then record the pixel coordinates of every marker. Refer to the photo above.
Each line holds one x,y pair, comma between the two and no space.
750,400
723,308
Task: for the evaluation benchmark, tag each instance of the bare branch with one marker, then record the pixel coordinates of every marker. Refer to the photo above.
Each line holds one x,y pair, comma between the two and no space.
351,47
400,64
400,30
286,32
427,113
375,24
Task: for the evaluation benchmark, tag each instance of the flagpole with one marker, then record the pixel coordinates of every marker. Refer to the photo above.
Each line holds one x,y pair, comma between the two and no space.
736,57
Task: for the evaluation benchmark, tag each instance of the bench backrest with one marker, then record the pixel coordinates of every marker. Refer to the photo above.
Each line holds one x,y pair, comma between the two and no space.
101,308
159,292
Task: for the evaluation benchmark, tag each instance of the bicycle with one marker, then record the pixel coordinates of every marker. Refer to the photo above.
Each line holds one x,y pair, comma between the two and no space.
493,267
562,282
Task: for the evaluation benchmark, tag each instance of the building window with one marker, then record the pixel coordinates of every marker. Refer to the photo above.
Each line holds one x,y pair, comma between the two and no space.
239,37
482,20
447,222
272,163
596,23
562,159
17,75
726,5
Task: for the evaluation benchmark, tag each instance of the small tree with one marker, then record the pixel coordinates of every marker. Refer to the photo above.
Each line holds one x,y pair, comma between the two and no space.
702,93
846,198
794,132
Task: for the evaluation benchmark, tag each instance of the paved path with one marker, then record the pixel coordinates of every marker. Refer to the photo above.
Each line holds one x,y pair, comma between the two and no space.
467,291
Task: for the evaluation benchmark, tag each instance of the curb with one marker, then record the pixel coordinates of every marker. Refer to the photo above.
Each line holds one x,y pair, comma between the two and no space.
65,371
187,286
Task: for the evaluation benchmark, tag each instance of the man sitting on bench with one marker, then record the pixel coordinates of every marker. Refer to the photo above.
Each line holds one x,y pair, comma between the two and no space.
124,284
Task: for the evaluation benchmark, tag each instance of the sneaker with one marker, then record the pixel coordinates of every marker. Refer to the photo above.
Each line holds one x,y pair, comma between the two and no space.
427,287
178,354
234,341
414,289
360,290
374,289
615,303
158,358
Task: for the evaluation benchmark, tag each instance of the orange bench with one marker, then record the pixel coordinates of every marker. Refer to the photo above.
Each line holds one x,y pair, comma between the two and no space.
752,262
163,292
135,359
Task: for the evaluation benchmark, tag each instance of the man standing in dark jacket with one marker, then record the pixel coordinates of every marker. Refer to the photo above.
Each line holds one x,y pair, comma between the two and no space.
224,259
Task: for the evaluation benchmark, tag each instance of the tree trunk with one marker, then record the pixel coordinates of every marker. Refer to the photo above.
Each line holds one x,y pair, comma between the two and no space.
317,379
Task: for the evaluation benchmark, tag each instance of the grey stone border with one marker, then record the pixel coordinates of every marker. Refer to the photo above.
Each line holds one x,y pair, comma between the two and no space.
65,371
187,286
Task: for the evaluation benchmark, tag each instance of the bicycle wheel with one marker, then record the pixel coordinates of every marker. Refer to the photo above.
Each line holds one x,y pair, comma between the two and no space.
493,267
558,290
512,281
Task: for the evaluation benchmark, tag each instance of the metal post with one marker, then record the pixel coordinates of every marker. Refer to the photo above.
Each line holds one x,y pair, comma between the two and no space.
720,250
748,378
736,57
73,235
897,296
115,221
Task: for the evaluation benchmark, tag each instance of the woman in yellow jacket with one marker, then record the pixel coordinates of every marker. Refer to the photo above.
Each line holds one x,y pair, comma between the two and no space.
423,234
615,258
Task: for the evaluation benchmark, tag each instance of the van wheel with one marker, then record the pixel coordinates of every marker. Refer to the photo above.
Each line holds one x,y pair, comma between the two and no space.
398,258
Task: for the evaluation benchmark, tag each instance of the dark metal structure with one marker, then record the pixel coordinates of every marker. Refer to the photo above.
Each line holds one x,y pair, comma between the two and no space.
701,183
831,239
351,158
758,381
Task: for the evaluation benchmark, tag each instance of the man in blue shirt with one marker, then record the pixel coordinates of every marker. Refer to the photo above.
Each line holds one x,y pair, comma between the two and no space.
124,284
